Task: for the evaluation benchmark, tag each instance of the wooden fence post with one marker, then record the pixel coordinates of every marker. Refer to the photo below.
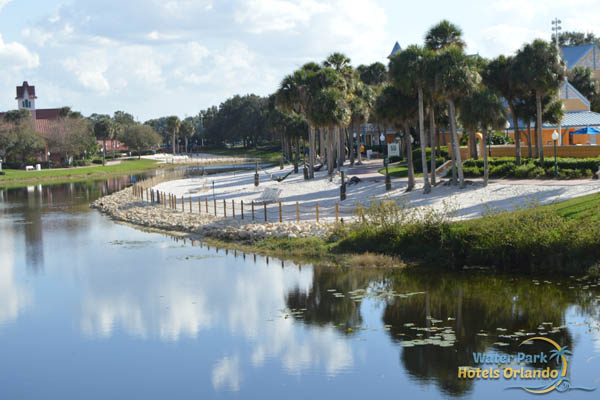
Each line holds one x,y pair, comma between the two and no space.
317,208
224,208
252,210
215,206
182,204
336,212
199,206
265,206
233,208
147,194
142,195
206,204
242,206
297,212
191,208
280,217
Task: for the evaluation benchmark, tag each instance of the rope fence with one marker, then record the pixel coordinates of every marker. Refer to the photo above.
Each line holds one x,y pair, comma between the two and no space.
259,211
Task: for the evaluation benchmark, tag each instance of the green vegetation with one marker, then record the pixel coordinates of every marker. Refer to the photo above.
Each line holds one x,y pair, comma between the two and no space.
13,178
267,153
506,167
562,238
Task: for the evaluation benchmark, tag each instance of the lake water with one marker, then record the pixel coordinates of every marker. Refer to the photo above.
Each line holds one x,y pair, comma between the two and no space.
93,309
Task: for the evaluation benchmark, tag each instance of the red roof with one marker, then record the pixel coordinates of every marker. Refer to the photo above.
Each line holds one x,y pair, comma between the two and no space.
21,90
47,113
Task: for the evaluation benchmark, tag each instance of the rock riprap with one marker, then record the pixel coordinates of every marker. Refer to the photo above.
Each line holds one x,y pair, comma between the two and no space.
124,206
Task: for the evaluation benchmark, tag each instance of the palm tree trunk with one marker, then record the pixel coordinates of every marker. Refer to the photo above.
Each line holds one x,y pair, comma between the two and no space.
342,148
529,144
297,157
358,144
173,144
451,151
457,158
472,144
352,143
426,185
330,141
517,135
322,147
311,152
186,146
433,139
540,141
103,153
409,160
485,160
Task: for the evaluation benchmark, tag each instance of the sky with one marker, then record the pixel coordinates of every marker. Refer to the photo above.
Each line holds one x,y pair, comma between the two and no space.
154,58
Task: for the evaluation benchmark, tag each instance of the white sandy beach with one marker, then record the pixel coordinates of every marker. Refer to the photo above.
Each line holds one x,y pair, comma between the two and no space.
470,202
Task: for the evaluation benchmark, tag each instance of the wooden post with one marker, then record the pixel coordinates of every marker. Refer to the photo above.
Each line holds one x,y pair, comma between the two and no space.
233,208
265,207
242,206
191,208
297,212
252,210
206,204
147,195
280,217
182,204
215,206
336,212
142,195
224,208
199,205
317,208
151,196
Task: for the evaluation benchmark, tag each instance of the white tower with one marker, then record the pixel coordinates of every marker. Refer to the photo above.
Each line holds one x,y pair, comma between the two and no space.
26,97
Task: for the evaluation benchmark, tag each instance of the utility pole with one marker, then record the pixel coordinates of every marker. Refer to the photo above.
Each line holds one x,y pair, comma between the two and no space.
556,28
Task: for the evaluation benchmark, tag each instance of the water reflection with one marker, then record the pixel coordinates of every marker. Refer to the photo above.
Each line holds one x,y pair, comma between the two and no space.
238,321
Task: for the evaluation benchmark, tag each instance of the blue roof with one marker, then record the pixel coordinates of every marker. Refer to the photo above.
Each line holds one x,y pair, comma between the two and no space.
573,54
396,49
571,119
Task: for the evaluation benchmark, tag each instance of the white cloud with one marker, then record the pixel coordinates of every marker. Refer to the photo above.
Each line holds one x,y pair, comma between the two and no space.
3,3
16,56
90,67
503,39
226,373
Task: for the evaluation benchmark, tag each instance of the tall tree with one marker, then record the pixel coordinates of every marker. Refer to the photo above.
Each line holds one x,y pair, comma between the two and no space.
544,71
408,70
457,78
104,129
173,124
141,137
504,76
583,79
443,35
187,131
395,108
484,110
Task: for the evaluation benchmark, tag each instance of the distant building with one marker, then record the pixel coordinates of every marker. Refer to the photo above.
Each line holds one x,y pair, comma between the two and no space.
26,100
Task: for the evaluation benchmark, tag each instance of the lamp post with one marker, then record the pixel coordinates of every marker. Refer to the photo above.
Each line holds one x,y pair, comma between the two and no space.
354,143
554,139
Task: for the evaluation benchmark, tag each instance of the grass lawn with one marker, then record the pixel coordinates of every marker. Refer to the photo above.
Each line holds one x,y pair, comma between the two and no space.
15,178
265,153
584,207
399,171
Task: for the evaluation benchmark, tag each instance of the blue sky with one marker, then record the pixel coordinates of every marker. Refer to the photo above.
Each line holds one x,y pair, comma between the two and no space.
161,57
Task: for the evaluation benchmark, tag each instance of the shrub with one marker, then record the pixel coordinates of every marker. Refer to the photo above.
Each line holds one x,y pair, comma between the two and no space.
522,171
472,172
503,170
394,159
536,172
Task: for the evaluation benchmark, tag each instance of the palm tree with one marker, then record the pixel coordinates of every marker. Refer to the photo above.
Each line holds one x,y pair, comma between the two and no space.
361,106
457,78
173,125
483,110
442,35
187,131
503,75
408,70
104,129
439,37
544,72
396,108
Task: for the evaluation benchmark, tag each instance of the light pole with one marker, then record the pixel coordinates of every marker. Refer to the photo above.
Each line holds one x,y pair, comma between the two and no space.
381,140
354,143
556,28
554,139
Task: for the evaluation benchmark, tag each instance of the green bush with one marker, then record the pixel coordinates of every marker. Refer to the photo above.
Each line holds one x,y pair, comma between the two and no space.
503,170
522,171
472,172
534,240
443,153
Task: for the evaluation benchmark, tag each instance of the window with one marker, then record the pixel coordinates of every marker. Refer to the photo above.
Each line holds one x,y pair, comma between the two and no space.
26,103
